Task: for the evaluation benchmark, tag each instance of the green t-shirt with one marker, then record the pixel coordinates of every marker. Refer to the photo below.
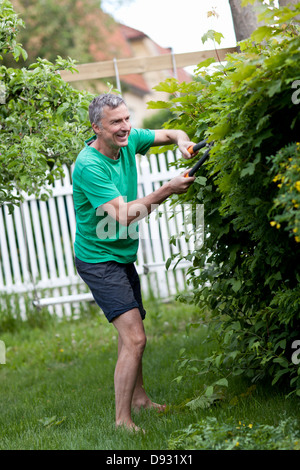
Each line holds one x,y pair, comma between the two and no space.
98,179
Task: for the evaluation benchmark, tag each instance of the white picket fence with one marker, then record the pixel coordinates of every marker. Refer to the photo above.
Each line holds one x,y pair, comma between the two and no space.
36,245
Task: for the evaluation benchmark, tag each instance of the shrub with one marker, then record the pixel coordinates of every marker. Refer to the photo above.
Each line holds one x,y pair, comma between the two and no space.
210,434
247,272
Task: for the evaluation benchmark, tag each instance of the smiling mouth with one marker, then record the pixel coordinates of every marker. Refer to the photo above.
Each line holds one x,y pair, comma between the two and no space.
122,137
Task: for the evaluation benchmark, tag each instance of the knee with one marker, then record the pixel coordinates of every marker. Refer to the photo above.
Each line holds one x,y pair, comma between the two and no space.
138,344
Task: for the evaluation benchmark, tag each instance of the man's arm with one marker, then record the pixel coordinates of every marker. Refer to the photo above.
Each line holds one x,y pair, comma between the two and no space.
174,136
127,212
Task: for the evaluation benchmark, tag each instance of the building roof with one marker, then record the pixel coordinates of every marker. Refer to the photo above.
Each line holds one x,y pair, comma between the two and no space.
131,33
119,45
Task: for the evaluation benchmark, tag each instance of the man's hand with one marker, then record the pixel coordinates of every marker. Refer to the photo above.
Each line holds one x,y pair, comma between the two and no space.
180,184
183,146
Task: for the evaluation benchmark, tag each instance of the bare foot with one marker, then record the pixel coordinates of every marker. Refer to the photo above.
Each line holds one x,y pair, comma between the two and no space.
137,405
130,426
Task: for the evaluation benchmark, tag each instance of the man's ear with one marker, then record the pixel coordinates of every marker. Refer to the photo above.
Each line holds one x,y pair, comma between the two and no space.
96,129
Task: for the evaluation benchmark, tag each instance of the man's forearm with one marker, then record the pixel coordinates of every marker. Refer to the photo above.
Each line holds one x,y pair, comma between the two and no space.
127,212
142,207
170,136
173,136
176,135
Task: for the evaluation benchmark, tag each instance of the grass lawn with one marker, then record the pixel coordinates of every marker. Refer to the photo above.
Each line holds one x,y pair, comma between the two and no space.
57,385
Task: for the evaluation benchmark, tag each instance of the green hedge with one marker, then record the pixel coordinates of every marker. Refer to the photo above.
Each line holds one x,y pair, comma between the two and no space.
249,263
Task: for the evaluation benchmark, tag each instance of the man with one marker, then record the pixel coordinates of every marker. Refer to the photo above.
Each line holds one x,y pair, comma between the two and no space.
105,191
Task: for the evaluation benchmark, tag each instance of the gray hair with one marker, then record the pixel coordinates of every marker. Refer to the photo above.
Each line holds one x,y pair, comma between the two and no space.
98,104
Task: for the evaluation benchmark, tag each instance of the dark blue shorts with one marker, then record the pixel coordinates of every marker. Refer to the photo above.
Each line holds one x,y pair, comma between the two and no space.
115,286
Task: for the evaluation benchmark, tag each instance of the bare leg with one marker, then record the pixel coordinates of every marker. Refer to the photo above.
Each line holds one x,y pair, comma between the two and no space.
140,398
132,342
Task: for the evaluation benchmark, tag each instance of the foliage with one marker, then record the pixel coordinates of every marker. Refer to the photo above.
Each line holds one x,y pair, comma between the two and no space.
157,120
247,272
64,28
10,25
210,434
43,120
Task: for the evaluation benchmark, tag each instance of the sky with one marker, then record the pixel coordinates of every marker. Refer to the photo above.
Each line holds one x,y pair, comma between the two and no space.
179,24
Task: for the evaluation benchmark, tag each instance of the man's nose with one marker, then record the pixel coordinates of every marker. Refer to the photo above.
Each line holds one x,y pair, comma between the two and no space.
126,125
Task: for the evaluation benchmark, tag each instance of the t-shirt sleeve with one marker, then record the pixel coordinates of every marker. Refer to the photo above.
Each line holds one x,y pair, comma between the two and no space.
143,139
97,186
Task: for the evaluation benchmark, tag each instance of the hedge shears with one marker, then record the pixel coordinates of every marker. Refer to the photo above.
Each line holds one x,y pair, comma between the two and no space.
195,148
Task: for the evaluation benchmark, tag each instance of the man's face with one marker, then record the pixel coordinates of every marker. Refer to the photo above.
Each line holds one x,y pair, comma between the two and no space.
115,127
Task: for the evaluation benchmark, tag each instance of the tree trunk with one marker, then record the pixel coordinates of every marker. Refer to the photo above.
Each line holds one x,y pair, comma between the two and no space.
244,19
283,3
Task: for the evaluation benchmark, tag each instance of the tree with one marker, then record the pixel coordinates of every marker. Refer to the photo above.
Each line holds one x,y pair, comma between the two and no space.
43,119
244,19
245,16
66,28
